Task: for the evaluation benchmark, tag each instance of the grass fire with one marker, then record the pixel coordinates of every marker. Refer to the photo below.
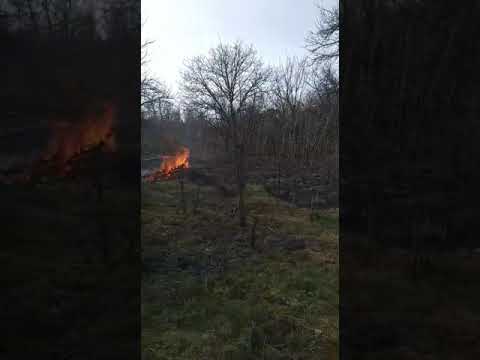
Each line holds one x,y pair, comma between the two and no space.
71,138
170,164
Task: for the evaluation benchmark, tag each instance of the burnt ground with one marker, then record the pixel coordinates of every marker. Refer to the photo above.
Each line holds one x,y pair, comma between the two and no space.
314,186
212,290
305,187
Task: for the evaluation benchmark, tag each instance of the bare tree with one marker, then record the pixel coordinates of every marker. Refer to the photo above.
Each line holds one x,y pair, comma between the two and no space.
225,83
288,90
324,85
153,91
322,42
323,80
289,82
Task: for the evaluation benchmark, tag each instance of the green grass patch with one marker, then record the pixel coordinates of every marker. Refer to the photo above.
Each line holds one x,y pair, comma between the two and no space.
262,306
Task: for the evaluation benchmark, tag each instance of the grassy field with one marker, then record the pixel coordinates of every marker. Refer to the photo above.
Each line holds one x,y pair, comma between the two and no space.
206,294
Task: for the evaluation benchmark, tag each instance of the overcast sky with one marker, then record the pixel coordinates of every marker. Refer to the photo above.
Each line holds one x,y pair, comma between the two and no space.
184,28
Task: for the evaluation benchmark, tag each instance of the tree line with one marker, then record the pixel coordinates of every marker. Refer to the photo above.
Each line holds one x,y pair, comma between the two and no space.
231,101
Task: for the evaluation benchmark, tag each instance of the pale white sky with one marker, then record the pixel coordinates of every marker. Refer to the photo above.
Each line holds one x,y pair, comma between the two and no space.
185,28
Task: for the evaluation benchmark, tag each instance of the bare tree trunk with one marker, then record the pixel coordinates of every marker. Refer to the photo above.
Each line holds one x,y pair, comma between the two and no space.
240,159
239,162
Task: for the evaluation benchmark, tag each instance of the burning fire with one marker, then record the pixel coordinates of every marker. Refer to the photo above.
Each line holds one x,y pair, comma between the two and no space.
170,164
71,139
180,159
93,129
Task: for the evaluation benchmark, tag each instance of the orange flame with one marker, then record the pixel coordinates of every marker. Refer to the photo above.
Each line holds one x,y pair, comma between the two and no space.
180,159
70,139
170,164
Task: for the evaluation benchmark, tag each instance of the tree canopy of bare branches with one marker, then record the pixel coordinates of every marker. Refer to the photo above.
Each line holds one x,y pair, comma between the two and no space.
153,91
225,82
288,85
323,41
323,81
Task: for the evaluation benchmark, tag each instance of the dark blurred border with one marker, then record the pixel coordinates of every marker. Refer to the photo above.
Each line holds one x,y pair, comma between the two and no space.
70,244
409,150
